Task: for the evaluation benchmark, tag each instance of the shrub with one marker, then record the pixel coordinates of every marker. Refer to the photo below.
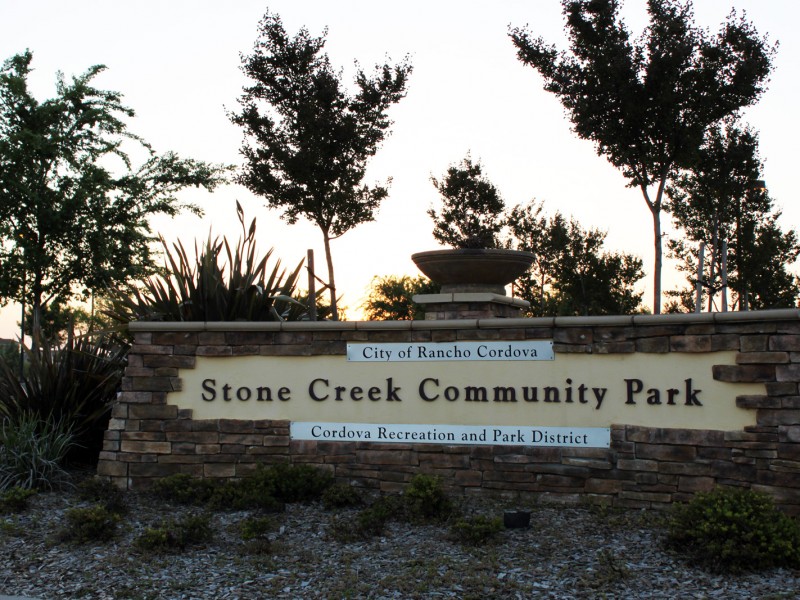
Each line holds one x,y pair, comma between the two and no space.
298,483
476,530
15,499
203,289
173,535
734,530
32,450
256,527
368,522
102,491
93,524
426,500
184,489
341,495
75,385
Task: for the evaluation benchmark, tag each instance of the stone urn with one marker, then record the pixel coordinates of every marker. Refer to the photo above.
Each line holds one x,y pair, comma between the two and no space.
473,269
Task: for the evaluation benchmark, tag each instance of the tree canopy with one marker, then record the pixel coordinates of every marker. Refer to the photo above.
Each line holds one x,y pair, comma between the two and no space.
572,274
723,204
646,103
391,297
472,208
73,210
307,140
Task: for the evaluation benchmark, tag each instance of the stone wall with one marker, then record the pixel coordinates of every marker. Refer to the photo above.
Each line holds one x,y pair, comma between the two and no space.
645,466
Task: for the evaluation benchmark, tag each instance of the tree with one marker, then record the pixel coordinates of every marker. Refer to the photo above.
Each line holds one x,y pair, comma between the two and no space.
73,219
307,141
647,103
472,208
391,297
722,204
571,274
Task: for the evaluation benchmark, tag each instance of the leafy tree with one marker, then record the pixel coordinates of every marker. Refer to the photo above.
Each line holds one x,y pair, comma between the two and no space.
307,140
472,208
721,204
72,218
646,103
390,297
571,274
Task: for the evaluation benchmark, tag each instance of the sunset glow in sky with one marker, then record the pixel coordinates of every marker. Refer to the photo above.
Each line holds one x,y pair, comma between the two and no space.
177,63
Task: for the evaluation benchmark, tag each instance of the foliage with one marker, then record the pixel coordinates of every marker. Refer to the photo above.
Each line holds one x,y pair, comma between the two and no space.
646,103
92,524
426,500
369,522
9,352
571,274
472,208
101,491
73,210
267,488
255,527
734,530
341,495
477,530
32,451
307,140
242,288
15,499
390,297
721,203
74,385
172,535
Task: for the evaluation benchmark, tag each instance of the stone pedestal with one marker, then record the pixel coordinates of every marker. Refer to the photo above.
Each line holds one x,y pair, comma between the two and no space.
470,305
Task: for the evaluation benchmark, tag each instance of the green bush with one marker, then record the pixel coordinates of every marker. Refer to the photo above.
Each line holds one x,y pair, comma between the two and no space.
341,495
266,489
426,500
734,530
298,483
32,451
15,499
102,491
184,489
174,535
85,525
368,522
476,530
256,527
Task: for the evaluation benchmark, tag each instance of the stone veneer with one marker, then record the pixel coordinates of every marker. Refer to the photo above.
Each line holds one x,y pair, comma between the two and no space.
148,438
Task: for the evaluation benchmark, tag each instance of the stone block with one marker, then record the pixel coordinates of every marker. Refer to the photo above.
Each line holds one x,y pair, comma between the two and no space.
744,373
171,338
637,465
573,335
226,470
146,411
666,452
789,434
690,343
751,402
788,372
653,345
772,418
727,341
175,361
152,469
236,426
753,343
386,457
468,478
788,343
781,388
112,468
626,347
760,358
146,447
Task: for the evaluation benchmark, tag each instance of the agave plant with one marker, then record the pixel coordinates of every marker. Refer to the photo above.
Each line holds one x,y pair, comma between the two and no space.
244,288
75,384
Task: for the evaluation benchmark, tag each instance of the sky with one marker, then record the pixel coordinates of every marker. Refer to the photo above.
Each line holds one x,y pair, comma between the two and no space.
177,62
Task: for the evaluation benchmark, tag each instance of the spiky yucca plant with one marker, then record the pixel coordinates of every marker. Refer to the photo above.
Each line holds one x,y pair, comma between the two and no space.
244,288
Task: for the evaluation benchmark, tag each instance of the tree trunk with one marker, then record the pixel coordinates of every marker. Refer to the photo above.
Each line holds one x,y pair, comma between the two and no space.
331,282
655,210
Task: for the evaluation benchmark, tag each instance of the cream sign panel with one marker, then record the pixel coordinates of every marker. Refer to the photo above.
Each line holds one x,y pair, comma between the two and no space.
570,390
